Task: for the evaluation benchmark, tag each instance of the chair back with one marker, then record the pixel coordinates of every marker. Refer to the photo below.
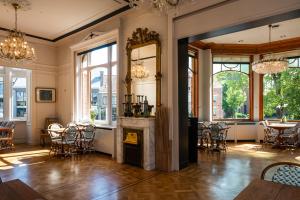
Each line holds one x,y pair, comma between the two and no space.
51,120
0,180
70,133
88,132
215,130
53,134
282,172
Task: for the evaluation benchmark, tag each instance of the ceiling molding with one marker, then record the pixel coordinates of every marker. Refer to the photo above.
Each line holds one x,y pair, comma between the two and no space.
250,49
97,21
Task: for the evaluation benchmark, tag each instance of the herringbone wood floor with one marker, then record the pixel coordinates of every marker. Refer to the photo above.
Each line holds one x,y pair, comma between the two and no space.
96,176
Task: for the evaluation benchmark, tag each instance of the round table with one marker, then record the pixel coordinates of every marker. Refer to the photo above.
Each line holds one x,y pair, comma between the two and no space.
280,127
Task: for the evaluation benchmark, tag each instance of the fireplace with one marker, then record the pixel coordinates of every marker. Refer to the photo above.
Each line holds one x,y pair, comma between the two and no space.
144,153
133,146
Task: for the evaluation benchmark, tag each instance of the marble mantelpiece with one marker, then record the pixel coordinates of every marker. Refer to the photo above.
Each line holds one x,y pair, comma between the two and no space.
148,127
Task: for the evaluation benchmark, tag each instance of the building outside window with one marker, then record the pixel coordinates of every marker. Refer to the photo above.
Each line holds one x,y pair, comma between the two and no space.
231,87
98,84
281,93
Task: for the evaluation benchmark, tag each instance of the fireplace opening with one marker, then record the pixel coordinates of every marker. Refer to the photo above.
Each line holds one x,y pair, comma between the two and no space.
133,147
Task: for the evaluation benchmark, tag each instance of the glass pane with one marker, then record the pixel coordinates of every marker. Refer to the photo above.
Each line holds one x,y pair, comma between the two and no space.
114,79
216,68
19,97
281,95
114,53
1,96
99,93
99,56
245,68
230,95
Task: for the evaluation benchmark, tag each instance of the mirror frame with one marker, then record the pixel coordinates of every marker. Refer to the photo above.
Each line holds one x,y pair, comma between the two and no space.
140,38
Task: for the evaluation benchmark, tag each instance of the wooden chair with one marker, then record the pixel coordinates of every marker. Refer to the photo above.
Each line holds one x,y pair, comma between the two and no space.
44,133
282,172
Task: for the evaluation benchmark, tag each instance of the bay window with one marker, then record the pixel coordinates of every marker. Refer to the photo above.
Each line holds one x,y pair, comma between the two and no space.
97,81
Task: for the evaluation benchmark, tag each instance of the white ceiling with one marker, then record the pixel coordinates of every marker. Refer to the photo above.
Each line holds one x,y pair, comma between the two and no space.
287,29
53,18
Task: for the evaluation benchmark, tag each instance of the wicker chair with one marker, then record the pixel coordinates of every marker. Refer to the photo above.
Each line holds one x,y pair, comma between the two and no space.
218,137
56,139
290,138
88,135
71,138
203,134
270,135
282,172
6,137
44,136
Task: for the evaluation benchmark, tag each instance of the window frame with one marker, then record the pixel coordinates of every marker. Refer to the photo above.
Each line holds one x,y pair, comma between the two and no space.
88,69
193,53
261,93
251,73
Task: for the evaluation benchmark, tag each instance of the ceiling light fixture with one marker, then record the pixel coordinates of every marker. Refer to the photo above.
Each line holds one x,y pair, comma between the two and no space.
270,64
15,48
161,5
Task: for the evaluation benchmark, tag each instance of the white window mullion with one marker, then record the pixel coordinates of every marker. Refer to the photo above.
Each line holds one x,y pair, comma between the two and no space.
109,97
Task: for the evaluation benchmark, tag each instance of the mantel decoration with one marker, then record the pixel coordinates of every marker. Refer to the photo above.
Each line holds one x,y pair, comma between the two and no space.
15,48
270,64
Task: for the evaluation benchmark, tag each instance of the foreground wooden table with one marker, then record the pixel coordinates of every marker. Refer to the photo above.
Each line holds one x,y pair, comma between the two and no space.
17,190
266,190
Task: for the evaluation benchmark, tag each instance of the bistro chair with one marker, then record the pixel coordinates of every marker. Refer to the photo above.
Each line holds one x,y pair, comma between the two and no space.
218,136
203,134
88,135
70,138
282,172
56,138
44,135
290,138
269,134
6,137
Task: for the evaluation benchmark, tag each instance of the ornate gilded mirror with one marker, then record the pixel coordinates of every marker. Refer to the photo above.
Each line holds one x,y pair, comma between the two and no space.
143,79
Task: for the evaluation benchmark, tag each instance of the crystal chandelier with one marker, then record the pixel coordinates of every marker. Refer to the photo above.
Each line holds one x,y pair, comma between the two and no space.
139,71
15,48
270,64
162,5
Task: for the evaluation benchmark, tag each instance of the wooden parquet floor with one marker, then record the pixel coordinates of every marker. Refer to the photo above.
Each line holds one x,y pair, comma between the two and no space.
217,176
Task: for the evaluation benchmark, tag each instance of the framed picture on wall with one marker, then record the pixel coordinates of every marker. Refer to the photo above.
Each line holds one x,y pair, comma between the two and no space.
45,95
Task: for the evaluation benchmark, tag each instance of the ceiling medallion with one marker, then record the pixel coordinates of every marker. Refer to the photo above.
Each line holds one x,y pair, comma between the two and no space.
15,48
270,64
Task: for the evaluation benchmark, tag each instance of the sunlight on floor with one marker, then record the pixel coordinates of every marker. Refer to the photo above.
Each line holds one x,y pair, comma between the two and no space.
11,160
253,149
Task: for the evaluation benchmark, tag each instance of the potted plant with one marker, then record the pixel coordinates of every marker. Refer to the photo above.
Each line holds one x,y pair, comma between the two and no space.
281,112
93,115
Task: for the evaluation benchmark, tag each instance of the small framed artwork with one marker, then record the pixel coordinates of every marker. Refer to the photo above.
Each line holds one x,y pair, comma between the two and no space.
45,95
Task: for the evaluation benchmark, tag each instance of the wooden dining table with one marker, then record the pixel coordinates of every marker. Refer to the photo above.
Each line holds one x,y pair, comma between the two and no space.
18,190
266,190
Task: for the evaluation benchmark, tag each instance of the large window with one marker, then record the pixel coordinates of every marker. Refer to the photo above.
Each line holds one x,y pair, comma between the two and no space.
14,93
231,88
281,93
98,84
